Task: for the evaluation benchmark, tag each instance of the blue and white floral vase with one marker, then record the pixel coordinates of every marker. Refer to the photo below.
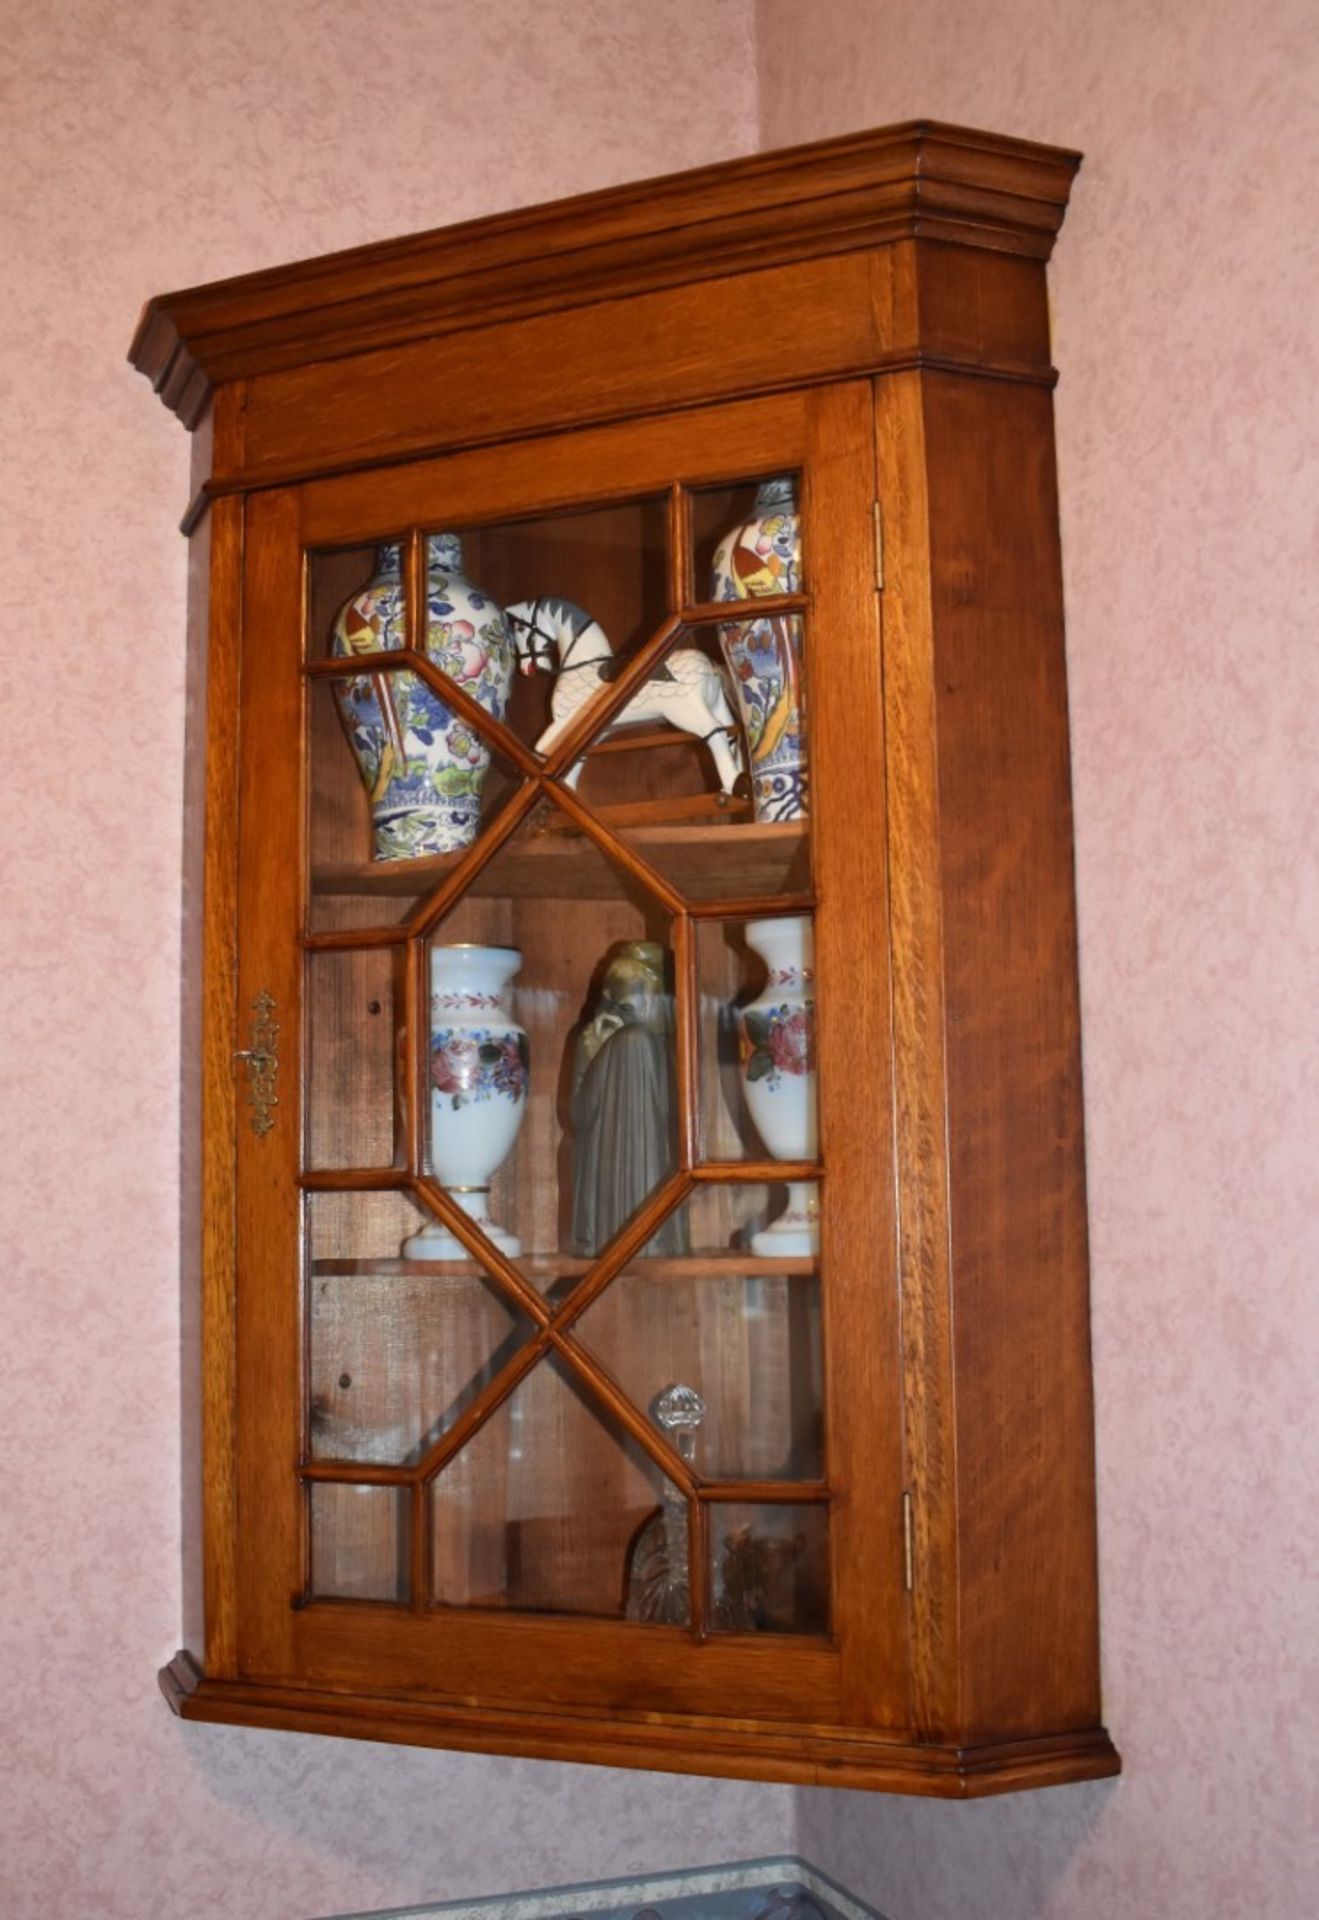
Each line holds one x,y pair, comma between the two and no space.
762,556
422,766
479,1079
777,1051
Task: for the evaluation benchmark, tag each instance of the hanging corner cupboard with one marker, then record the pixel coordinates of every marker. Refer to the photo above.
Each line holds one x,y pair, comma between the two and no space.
642,1263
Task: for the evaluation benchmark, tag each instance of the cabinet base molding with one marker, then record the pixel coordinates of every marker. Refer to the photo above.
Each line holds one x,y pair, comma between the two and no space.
752,1750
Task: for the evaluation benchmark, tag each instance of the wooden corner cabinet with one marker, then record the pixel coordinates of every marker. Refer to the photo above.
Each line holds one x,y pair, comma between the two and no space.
643,1268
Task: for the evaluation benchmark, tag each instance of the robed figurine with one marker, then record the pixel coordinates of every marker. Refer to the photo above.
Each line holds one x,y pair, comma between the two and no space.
624,1105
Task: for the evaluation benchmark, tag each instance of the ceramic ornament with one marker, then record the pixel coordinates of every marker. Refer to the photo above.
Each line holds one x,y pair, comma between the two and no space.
759,557
422,766
624,1105
685,691
777,1050
479,1075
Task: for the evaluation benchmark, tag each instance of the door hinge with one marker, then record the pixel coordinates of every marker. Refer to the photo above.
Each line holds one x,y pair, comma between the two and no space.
879,548
908,1544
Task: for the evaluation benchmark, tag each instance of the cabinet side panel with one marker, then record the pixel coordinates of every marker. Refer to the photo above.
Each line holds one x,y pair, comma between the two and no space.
218,554
987,308
920,1118
1024,1413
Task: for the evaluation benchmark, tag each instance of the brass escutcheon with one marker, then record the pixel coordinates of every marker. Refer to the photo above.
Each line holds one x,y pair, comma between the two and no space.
262,1059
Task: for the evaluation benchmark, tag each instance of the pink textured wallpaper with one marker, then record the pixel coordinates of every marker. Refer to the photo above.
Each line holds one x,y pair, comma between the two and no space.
151,146
1184,287
146,147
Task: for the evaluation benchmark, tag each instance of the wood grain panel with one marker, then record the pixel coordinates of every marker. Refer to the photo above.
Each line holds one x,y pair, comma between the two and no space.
682,347
1012,1023
919,1110
549,1660
844,702
222,607
268,1255
532,478
985,310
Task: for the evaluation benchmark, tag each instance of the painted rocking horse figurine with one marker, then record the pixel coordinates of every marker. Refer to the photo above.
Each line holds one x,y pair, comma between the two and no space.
687,690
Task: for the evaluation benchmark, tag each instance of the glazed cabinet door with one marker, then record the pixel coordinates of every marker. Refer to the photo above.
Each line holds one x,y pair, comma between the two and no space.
567,1351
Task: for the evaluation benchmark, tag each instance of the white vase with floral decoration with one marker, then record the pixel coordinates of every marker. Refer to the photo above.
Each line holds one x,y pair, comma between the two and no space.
479,1077
777,1033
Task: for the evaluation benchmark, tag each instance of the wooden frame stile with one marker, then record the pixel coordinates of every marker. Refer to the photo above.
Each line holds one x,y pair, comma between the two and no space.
215,607
906,379
920,1126
854,1020
220,1041
269,1252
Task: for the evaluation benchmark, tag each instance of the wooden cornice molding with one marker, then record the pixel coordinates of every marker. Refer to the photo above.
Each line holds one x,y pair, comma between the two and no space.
917,180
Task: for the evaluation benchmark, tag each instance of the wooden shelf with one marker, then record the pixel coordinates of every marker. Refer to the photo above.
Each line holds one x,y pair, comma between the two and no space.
739,860
728,1263
719,809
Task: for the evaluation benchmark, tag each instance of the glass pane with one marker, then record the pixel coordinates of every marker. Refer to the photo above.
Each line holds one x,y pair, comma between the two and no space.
395,775
704,774
354,1036
769,1568
355,600
547,1055
747,1344
363,1229
673,775
675,752
542,1509
746,538
757,554
755,1229
363,814
550,1058
756,1039
395,1355
360,1542
467,639
581,590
